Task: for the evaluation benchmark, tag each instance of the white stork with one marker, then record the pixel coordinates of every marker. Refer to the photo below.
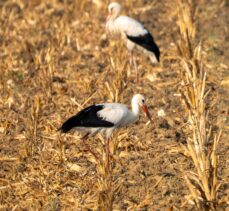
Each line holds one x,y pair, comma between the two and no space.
105,118
135,35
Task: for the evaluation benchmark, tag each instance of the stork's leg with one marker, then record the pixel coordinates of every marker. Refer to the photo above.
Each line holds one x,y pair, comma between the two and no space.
135,67
131,59
87,147
107,154
131,63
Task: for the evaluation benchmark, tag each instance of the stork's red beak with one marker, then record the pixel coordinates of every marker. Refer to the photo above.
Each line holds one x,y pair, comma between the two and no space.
145,109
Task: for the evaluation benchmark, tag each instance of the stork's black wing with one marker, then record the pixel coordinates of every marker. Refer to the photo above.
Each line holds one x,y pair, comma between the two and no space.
146,41
86,118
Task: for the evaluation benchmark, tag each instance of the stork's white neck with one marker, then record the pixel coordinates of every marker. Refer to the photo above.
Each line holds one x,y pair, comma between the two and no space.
114,16
135,108
115,13
110,25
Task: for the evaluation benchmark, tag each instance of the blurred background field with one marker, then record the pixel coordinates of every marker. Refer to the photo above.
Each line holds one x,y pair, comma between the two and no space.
55,59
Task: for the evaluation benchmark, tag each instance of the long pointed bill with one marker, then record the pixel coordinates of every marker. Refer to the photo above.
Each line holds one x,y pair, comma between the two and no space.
145,109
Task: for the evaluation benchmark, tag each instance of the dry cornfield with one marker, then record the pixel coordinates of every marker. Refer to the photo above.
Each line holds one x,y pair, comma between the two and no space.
55,59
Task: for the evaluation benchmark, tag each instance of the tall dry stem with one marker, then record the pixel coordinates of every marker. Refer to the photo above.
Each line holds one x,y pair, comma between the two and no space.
108,186
201,142
32,126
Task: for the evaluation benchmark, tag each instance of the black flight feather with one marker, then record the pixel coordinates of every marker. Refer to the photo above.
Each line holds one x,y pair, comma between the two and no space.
147,42
86,118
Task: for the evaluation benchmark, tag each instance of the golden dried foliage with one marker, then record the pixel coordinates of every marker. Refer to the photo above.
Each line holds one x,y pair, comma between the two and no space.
202,142
56,59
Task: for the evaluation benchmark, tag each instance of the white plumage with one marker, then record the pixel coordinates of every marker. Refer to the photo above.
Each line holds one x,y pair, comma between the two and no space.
126,26
134,34
105,118
115,113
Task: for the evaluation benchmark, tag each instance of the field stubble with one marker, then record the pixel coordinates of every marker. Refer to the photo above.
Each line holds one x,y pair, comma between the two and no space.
55,60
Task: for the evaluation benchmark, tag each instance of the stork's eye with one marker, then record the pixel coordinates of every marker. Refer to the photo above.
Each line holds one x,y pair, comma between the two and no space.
143,100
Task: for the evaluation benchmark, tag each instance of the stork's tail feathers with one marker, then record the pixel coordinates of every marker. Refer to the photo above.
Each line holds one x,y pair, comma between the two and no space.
68,125
156,57
147,42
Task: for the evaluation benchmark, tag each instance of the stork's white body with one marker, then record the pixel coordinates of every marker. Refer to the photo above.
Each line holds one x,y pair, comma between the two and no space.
126,26
105,118
134,34
119,115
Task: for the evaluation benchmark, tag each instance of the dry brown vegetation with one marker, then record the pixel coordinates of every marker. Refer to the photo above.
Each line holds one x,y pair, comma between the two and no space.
55,59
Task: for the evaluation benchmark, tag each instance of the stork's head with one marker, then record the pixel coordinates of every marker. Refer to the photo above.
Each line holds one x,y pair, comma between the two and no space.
139,100
114,10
